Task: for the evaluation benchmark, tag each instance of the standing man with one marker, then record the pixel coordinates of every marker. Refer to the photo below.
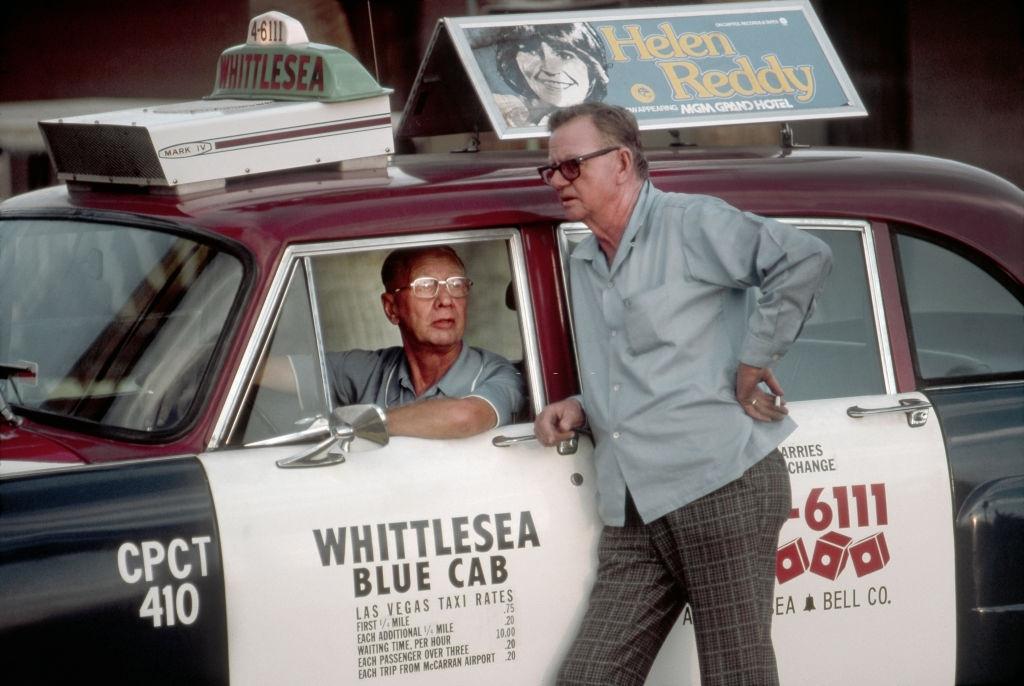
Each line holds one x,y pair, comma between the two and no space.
679,394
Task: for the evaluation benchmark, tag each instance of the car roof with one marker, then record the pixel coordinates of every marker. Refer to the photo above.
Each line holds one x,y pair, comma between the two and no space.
495,189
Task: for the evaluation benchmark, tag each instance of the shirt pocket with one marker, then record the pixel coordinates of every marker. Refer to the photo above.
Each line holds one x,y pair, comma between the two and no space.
648,316
676,314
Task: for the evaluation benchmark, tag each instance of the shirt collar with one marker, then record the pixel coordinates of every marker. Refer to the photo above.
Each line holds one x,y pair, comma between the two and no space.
589,249
447,385
636,220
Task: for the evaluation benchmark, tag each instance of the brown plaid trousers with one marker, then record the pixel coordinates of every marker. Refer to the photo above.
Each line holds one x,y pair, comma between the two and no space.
718,553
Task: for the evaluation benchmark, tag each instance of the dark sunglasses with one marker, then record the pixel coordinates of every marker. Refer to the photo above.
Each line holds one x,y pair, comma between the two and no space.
570,168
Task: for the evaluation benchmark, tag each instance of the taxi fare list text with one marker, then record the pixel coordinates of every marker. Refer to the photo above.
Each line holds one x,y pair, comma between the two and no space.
384,550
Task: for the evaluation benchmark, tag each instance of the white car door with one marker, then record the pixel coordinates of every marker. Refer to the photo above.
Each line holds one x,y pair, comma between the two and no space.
864,574
433,562
425,561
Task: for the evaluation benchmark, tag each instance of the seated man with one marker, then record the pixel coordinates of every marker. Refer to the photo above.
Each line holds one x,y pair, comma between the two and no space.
433,386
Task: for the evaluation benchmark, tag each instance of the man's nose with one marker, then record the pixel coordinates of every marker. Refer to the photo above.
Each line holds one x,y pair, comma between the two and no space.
443,297
558,180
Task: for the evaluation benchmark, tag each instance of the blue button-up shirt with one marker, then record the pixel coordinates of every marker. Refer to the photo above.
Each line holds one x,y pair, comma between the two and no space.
660,333
382,377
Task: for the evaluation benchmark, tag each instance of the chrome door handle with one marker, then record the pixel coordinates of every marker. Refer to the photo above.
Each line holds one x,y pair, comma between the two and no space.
566,447
507,441
916,411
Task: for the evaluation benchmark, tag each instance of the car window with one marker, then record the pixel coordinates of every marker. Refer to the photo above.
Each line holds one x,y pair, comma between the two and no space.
841,351
348,289
333,304
964,323
272,411
120,323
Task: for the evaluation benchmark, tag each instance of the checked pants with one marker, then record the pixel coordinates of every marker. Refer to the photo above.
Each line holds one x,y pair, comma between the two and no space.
718,554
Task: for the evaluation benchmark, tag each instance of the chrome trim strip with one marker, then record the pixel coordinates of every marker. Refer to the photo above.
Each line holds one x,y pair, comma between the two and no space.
527,322
16,469
318,334
567,231
1000,609
972,384
253,350
271,309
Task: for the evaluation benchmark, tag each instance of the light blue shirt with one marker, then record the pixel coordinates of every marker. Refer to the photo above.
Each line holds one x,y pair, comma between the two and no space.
382,377
660,333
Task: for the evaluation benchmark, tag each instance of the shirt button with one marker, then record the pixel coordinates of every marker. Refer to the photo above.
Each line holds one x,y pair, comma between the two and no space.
616,387
615,435
776,357
614,333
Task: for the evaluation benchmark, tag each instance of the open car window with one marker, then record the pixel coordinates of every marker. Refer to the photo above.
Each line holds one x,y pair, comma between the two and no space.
331,303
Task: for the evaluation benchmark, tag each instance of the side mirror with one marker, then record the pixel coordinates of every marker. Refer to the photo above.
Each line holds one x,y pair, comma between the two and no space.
351,429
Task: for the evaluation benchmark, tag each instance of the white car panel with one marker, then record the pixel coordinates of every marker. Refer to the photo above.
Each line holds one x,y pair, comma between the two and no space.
854,564
293,619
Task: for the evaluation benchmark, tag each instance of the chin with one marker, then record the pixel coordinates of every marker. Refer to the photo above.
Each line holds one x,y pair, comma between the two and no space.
445,339
574,212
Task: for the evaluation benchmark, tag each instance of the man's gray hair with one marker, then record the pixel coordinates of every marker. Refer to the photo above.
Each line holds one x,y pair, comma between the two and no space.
395,271
616,125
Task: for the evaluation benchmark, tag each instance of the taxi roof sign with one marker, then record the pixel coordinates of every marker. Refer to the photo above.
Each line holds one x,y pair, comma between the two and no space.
277,61
275,28
673,67
285,103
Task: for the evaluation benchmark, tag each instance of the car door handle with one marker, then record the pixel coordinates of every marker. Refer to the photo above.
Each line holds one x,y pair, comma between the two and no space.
566,447
916,411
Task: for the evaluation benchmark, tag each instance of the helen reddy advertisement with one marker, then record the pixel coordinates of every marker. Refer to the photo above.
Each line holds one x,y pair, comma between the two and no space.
671,66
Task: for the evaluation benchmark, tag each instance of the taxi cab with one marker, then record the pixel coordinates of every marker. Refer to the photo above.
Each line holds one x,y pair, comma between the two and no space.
164,517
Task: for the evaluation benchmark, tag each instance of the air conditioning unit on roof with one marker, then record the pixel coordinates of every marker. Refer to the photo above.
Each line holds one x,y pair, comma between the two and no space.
279,102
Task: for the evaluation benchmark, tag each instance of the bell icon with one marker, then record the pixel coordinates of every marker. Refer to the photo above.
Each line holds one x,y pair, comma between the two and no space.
809,604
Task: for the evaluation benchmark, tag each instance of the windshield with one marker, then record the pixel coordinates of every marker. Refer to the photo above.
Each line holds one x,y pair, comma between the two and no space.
116,324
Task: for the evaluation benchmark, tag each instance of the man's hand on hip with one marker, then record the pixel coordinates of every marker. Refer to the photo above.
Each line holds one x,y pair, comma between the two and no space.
764,407
558,421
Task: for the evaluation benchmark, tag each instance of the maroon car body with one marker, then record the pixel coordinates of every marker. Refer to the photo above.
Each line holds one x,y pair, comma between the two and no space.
956,202
972,213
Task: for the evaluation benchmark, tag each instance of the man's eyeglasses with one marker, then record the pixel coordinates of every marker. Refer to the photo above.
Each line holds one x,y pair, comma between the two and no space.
570,168
427,287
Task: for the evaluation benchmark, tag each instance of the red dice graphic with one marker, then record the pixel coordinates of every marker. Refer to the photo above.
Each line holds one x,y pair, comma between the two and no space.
830,553
790,560
869,554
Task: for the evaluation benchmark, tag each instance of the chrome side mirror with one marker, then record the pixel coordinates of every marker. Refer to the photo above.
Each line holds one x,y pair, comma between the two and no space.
351,429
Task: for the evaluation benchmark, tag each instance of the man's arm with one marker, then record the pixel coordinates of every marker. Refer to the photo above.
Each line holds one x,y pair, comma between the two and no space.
442,418
496,394
740,250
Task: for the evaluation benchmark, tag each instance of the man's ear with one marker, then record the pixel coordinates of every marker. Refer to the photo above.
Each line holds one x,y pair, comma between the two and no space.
387,300
625,160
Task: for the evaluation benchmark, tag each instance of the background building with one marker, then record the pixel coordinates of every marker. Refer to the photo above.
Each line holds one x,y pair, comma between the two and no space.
943,77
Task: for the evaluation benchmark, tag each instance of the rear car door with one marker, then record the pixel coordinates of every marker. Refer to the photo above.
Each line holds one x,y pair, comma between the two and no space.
965,326
864,573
